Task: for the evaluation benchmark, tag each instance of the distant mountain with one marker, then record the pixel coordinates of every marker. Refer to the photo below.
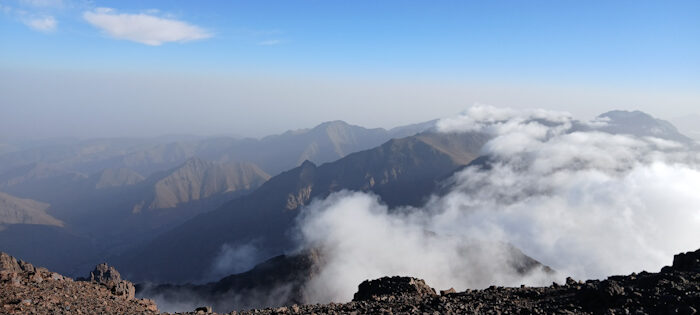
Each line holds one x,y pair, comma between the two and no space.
43,182
81,156
640,124
198,179
402,171
15,210
326,142
117,178
116,209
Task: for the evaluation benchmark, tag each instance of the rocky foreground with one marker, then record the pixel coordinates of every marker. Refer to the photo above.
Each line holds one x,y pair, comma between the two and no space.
25,289
674,290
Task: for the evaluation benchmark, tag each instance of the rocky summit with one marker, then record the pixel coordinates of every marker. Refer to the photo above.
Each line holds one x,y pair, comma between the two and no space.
25,289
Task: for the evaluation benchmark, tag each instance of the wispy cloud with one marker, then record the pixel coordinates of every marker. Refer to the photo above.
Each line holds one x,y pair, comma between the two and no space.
143,28
271,42
43,24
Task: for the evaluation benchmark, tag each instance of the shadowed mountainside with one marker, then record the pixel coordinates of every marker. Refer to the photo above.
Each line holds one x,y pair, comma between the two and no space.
402,171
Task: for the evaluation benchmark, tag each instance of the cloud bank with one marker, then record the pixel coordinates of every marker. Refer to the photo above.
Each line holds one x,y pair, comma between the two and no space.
587,203
143,28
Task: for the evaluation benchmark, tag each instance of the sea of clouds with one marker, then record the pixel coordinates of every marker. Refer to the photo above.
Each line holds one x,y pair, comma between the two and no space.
589,204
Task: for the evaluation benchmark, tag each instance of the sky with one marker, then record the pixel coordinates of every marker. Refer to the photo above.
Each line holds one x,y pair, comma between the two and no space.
78,68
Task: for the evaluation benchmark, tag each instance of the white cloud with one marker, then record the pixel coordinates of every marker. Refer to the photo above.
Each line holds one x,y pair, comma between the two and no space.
42,24
587,203
143,28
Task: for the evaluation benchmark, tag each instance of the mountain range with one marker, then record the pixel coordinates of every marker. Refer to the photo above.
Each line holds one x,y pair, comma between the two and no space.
401,171
142,188
180,211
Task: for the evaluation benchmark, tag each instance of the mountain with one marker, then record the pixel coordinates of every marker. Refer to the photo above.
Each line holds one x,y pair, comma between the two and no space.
117,178
15,210
324,143
640,124
402,171
43,182
114,210
136,212
198,179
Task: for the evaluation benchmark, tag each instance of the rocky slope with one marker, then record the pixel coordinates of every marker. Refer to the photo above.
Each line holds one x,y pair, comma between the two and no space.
25,289
674,290
198,179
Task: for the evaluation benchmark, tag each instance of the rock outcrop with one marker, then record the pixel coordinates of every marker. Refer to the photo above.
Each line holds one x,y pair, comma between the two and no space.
25,289
392,287
112,280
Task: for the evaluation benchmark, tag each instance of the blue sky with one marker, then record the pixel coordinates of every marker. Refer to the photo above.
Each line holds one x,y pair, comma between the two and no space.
617,50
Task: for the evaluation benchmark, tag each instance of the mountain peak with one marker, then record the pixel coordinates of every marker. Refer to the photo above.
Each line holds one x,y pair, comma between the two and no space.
333,123
641,124
625,114
195,161
307,164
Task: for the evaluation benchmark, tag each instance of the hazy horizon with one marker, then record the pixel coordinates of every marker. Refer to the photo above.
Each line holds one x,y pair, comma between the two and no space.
72,68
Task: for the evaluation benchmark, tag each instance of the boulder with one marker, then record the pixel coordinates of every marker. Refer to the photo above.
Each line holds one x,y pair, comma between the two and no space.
689,261
110,278
393,287
448,291
9,264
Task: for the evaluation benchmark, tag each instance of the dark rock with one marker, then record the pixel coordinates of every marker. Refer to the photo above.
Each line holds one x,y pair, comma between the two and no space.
689,261
448,291
392,287
203,310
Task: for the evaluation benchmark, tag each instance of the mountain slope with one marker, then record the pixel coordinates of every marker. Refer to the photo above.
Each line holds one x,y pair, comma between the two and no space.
326,142
401,171
640,124
117,178
198,179
15,210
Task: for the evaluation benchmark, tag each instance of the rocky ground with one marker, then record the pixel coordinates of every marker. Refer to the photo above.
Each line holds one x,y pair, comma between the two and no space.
25,289
674,290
